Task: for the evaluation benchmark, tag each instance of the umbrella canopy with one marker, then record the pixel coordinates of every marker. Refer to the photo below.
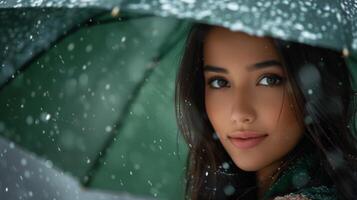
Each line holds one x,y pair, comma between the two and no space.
94,105
24,176
88,84
28,27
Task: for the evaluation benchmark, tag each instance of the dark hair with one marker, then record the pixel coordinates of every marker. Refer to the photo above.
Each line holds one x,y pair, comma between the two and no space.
328,133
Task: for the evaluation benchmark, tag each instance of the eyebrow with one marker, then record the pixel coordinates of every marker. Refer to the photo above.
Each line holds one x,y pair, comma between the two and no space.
256,66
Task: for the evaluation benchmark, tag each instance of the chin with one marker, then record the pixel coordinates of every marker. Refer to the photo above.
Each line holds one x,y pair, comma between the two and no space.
249,166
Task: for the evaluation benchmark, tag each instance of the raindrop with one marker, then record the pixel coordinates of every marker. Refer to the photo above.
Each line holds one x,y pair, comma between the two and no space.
215,136
189,1
336,159
48,164
70,46
232,6
136,166
107,86
45,117
309,76
7,70
228,190
29,120
48,117
188,102
206,173
300,179
12,145
113,177
225,165
89,48
83,80
108,129
2,126
308,120
131,173
123,39
6,189
149,182
310,91
23,162
27,174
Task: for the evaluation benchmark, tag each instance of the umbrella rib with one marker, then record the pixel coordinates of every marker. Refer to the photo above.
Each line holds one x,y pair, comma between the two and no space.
85,24
118,125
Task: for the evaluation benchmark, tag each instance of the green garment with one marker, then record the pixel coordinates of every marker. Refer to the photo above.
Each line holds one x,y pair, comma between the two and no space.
306,177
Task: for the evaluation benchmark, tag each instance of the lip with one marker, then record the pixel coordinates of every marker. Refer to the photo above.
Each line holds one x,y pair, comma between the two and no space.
246,139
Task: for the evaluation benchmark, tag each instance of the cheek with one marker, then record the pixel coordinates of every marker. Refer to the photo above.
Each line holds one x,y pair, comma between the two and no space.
290,126
268,104
217,109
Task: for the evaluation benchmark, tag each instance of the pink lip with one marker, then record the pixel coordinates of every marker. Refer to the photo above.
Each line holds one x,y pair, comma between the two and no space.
245,140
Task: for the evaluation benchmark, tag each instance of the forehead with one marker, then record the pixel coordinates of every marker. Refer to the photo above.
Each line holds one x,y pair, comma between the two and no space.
224,45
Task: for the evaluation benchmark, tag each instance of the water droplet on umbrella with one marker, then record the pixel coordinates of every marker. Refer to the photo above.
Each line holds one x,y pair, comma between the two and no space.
70,46
107,86
27,174
232,6
113,176
45,116
2,127
89,48
23,162
108,129
83,80
48,164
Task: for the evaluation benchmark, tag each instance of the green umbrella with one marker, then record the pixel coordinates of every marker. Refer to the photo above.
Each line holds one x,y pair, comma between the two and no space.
89,84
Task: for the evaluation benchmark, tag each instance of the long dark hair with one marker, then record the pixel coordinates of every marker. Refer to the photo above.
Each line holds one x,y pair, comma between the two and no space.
211,173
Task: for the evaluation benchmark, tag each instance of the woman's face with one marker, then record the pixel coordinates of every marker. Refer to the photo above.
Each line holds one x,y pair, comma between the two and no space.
247,101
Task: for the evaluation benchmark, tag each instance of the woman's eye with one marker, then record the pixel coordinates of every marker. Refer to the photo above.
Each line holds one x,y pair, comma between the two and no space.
217,83
271,80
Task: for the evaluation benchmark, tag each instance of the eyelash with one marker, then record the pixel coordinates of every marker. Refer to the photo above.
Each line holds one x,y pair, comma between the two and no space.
280,80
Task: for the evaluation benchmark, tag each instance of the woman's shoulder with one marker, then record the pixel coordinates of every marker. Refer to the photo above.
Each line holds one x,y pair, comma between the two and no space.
311,193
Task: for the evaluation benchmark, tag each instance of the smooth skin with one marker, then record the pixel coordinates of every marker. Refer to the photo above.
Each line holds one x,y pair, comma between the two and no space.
241,94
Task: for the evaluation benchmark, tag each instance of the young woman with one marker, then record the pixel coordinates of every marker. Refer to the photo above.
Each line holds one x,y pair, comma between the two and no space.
265,118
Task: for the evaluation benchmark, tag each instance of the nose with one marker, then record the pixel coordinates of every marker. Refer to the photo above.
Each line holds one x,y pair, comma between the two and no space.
242,109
